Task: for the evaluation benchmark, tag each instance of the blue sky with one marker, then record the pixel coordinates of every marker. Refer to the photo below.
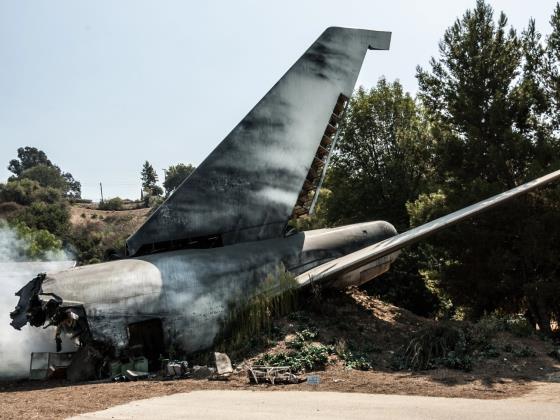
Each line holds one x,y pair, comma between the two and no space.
101,86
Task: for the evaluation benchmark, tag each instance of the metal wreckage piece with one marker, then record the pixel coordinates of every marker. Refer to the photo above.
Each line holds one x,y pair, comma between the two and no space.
214,243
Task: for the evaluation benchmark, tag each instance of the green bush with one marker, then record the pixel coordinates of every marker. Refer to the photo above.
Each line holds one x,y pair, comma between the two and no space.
87,241
491,324
31,244
304,355
309,357
357,361
53,217
27,191
440,344
301,337
524,351
115,203
39,244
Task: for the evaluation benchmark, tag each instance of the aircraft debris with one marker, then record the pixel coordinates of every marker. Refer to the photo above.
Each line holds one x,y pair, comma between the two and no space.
272,374
45,365
135,364
223,365
176,369
202,372
313,380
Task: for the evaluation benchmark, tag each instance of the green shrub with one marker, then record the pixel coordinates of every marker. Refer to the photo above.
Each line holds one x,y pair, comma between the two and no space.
87,241
40,244
519,326
357,361
31,244
27,191
53,217
352,360
115,204
309,357
524,351
301,337
515,324
441,344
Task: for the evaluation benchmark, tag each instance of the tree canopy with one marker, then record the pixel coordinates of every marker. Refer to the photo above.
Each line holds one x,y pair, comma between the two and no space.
34,164
150,179
175,175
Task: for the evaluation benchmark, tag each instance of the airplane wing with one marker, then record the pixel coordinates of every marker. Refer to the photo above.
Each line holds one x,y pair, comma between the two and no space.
270,165
366,257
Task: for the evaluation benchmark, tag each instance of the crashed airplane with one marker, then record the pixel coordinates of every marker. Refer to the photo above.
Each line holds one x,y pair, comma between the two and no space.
215,240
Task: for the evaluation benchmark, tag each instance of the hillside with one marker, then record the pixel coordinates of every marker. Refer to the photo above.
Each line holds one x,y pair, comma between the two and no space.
98,234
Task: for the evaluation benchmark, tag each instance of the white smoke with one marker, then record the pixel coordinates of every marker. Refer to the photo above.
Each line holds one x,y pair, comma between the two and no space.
14,247
16,346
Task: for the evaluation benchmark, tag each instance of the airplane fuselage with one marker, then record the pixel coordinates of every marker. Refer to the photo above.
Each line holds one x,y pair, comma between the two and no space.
191,291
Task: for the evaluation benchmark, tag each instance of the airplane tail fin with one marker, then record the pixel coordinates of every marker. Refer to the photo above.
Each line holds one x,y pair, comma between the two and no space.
269,166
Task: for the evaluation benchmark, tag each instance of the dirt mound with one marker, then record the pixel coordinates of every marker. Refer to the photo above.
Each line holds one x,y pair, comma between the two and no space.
366,340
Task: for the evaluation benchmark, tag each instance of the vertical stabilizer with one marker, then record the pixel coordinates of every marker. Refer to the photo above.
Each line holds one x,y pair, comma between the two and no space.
254,181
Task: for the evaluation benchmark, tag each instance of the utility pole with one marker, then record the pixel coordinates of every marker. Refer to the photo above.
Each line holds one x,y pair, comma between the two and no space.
101,188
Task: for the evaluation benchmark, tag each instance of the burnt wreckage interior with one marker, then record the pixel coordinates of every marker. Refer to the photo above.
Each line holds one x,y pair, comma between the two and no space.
214,243
145,338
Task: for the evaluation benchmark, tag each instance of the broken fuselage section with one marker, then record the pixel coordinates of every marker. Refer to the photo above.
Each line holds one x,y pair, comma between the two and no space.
182,298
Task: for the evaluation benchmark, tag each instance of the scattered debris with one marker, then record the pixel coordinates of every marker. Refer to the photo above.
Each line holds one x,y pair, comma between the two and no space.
553,377
176,369
46,365
202,372
133,374
223,366
313,380
272,374
86,364
136,364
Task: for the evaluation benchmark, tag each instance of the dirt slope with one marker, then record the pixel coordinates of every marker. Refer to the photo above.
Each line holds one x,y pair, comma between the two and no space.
359,320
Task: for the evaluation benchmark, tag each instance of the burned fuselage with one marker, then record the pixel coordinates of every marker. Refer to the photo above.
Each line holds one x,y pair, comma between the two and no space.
188,292
214,242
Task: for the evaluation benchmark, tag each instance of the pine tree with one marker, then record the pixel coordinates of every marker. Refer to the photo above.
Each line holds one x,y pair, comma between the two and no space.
485,97
150,179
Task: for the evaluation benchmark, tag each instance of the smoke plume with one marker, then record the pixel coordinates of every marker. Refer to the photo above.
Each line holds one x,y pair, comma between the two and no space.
16,346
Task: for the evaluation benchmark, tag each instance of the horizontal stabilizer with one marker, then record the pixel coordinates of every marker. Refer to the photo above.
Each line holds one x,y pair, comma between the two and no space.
260,174
365,256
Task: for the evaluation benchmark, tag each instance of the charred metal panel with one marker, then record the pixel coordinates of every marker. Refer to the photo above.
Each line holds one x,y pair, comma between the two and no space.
247,188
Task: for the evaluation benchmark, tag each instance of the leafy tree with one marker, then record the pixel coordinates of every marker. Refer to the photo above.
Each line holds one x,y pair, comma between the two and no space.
46,176
33,163
382,161
552,69
28,157
484,96
382,158
150,179
175,175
